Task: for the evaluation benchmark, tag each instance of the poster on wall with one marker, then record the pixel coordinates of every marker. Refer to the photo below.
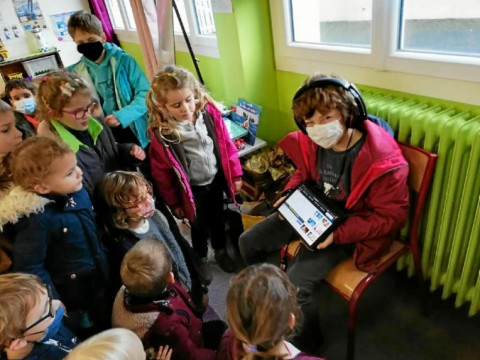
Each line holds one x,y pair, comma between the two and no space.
29,14
60,28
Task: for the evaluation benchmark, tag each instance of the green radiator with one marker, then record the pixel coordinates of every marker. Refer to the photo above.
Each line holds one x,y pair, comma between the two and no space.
451,224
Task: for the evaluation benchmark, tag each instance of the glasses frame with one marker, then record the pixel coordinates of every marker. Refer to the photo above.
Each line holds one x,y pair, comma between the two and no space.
43,318
89,108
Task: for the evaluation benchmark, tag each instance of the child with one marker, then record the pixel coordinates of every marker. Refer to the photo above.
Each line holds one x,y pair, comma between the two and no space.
159,310
48,216
131,217
31,325
10,136
355,163
65,104
119,82
114,344
193,159
21,94
262,311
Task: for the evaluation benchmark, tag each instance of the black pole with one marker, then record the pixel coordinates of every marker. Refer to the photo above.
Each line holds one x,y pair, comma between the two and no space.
190,50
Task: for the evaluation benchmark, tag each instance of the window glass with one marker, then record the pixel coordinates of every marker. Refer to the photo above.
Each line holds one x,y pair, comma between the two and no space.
440,26
204,16
328,22
183,14
115,14
129,12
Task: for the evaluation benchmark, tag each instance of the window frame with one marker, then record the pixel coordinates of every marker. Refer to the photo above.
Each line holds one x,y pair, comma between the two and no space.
126,33
205,45
382,60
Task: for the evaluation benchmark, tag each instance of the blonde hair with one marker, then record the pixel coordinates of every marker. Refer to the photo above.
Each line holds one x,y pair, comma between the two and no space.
145,268
56,90
116,189
85,22
31,161
18,295
172,78
260,303
112,344
324,99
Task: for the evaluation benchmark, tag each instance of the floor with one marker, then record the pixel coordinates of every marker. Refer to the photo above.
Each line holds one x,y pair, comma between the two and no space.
389,324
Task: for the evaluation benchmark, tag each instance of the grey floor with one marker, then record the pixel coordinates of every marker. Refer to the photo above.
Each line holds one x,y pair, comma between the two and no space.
389,324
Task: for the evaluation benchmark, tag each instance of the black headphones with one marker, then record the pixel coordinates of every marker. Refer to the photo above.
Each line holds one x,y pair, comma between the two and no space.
348,86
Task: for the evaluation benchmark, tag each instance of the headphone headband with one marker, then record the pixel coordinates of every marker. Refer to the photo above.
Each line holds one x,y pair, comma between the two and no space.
344,84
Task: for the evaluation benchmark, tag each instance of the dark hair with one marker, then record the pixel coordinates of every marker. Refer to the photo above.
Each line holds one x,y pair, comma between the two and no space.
86,22
19,84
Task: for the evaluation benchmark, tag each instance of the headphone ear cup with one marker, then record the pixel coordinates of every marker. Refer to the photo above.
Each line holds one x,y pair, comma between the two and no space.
300,125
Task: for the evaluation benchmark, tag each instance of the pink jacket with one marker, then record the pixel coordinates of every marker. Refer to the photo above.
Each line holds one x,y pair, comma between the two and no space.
168,171
379,197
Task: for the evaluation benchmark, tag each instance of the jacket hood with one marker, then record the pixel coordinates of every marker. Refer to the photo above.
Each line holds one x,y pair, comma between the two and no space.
17,202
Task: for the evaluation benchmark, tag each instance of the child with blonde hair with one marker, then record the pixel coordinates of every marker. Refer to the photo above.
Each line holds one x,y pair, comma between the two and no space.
262,312
193,160
65,104
158,309
31,321
115,344
47,215
132,216
10,136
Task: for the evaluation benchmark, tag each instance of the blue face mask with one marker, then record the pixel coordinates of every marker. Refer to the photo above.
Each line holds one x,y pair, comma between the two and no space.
52,329
26,105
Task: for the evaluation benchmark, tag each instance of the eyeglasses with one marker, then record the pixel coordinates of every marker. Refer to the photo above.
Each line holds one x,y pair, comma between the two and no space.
80,114
140,199
49,315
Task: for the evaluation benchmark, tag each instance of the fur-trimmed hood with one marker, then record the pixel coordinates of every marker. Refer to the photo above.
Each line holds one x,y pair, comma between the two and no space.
16,202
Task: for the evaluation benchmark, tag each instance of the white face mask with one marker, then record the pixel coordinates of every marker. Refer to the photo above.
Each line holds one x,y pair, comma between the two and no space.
326,135
26,105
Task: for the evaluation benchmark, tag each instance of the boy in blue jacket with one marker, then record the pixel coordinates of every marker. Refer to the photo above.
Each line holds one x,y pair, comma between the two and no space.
115,77
47,215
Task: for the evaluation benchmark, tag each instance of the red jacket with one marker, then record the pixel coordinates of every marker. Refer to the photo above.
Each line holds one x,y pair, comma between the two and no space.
168,165
379,197
170,320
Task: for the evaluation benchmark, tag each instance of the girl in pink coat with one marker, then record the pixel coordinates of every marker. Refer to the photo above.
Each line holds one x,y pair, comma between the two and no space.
193,160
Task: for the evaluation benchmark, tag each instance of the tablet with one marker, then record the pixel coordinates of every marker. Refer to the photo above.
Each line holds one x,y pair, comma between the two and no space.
311,214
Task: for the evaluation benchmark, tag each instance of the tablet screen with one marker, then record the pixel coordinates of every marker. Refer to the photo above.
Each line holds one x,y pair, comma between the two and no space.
309,215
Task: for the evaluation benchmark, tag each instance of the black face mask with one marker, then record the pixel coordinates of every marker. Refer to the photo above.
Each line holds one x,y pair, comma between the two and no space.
92,50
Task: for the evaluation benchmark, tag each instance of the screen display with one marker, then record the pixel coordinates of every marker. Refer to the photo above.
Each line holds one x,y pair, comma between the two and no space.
308,215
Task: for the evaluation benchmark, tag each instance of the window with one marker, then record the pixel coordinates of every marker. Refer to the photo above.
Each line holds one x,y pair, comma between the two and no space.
424,46
197,18
123,22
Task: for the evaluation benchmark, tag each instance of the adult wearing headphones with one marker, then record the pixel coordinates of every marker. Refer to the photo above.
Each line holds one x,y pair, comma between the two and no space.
356,164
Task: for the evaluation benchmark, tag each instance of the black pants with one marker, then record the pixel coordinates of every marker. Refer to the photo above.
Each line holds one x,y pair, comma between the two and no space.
210,217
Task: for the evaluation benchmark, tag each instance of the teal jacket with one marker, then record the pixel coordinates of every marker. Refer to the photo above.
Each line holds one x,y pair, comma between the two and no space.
130,86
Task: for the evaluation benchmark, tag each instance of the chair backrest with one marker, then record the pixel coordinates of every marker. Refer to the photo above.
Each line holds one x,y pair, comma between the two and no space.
421,168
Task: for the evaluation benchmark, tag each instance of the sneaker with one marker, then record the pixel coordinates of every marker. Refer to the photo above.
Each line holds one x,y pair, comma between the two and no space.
224,261
206,271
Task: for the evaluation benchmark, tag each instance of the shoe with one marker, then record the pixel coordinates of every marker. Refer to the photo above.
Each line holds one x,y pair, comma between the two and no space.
206,271
224,261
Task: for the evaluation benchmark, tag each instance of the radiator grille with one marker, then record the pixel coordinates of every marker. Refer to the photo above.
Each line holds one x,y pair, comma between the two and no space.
451,225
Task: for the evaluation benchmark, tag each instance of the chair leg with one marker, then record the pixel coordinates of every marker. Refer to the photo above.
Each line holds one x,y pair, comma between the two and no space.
352,316
422,289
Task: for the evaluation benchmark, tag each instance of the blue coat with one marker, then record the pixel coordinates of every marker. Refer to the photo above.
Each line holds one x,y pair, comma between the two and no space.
130,85
54,237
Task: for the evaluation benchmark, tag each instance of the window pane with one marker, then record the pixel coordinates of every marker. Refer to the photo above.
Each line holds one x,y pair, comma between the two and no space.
204,15
129,12
115,14
441,26
327,22
183,14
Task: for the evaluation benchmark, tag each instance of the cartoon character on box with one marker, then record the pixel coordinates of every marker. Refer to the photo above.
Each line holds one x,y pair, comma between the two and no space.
3,51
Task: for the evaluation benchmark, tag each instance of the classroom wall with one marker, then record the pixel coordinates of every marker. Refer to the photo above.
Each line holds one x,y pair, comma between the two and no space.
19,47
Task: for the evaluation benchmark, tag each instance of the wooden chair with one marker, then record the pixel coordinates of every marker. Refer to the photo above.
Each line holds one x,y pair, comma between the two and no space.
349,282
